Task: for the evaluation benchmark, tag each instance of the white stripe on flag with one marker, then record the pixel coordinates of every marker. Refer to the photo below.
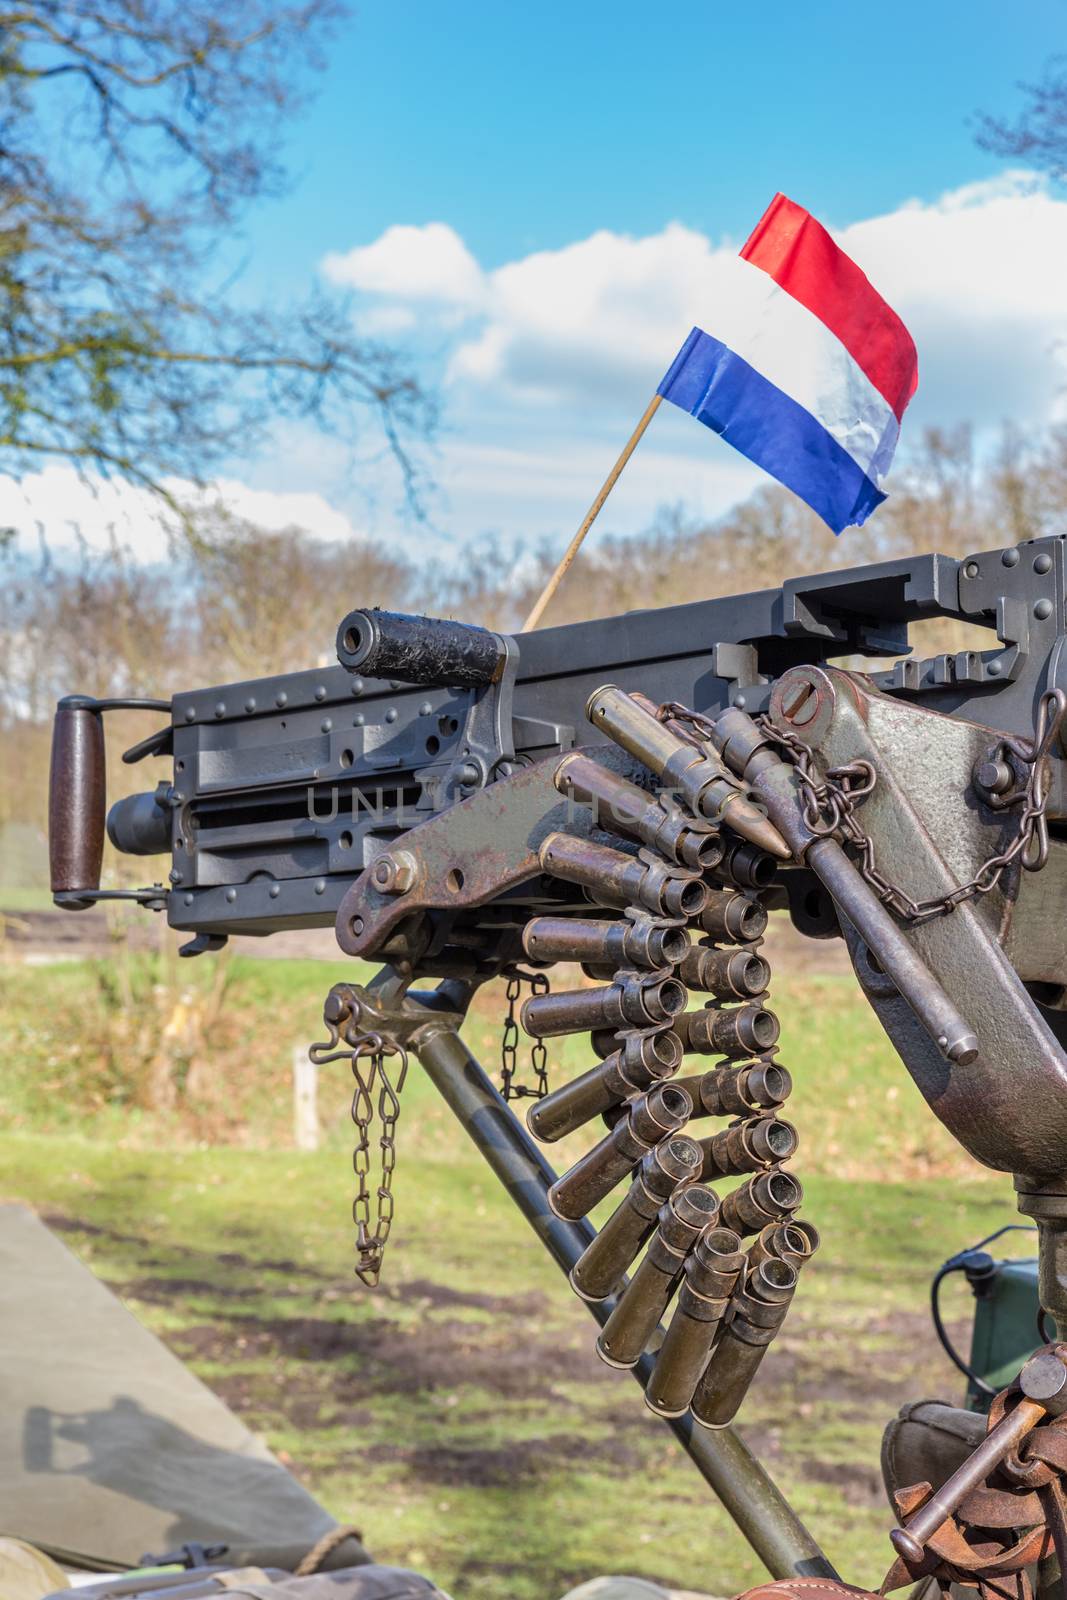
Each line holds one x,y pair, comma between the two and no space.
791,348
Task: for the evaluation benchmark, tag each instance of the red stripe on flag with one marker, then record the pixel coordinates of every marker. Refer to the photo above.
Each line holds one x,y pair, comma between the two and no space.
799,254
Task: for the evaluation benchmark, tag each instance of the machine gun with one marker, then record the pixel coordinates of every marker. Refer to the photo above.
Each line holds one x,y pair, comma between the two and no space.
634,795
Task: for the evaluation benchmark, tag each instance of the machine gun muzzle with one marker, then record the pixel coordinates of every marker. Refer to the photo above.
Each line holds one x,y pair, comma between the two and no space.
429,650
644,1300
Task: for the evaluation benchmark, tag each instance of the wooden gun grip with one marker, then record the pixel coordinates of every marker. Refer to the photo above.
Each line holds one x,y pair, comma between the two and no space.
77,798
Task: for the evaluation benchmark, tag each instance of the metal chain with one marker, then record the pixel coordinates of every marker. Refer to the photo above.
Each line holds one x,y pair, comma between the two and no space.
370,1048
831,801
509,1042
371,1241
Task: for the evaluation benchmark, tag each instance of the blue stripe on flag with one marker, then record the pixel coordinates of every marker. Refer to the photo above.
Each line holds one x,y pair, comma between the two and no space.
720,389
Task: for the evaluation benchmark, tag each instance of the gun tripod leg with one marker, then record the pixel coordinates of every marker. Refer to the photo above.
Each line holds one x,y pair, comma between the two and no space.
759,1509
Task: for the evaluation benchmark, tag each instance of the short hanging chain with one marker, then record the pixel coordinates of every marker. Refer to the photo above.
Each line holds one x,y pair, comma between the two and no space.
509,1042
370,1072
377,1092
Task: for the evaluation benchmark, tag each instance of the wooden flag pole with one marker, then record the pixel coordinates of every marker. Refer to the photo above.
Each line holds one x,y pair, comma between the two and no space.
590,517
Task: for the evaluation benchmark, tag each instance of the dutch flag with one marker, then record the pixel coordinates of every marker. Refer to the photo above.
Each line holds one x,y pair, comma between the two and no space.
817,372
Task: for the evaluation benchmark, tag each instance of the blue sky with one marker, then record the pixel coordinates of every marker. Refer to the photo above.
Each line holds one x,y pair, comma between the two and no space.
528,126
533,204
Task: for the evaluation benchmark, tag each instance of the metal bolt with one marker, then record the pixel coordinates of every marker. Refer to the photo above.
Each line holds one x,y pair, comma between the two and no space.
995,777
395,873
1043,562
320,886
326,724
469,772
220,708
190,714
175,876
392,714
231,895
320,691
275,890
281,699
356,686
1044,1379
250,703
1010,558
1043,609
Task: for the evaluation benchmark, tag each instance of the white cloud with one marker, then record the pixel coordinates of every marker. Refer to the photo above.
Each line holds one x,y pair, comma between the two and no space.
68,512
406,263
977,276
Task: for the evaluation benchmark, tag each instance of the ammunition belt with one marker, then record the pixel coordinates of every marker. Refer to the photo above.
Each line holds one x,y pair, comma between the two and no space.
684,918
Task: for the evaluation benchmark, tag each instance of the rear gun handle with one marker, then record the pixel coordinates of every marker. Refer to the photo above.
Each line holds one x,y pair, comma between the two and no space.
77,798
422,650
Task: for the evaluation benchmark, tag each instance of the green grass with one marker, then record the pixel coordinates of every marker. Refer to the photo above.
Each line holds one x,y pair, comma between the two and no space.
33,898
458,1415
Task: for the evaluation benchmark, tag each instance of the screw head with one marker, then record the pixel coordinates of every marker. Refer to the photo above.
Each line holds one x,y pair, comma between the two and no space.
1044,1379
800,702
1043,562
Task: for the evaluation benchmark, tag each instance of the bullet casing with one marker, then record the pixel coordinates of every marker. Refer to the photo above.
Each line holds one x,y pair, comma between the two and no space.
793,1241
646,1297
727,974
741,1031
737,1091
732,918
637,1001
756,1312
613,944
621,807
709,1277
748,1146
649,1118
747,866
767,1197
641,1061
696,774
614,878
607,1259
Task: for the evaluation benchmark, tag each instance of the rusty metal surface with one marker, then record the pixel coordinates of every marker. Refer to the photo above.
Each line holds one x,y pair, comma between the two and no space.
1009,1106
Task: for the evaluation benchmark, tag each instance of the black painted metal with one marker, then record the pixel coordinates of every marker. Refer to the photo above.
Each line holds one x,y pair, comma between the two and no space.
286,787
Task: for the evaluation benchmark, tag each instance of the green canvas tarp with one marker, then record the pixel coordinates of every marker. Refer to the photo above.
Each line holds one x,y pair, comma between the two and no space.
109,1447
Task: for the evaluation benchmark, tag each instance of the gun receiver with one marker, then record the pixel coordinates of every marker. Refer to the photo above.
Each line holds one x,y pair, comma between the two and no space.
423,808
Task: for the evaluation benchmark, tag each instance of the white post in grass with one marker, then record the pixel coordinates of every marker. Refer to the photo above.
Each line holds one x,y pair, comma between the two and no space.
305,1100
